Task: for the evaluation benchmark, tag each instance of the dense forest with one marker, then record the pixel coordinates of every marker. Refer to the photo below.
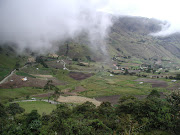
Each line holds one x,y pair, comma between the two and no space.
129,116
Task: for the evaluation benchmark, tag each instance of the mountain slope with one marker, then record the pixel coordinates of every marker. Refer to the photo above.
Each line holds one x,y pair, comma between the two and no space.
129,37
9,60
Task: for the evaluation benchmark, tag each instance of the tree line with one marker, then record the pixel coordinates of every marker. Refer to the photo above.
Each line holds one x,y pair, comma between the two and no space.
130,116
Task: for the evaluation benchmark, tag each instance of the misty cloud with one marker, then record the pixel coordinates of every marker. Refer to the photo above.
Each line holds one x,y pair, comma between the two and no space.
165,10
36,24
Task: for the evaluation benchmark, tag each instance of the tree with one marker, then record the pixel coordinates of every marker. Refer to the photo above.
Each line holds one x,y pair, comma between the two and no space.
17,65
154,93
33,122
3,117
88,109
106,113
49,86
41,61
126,104
67,49
56,94
59,116
105,109
99,126
126,72
174,100
178,76
14,109
148,70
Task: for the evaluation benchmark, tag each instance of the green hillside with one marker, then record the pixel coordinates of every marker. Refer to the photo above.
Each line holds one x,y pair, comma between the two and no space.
9,60
132,37
129,39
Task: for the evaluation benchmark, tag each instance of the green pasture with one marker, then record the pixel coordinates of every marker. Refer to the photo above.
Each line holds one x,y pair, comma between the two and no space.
40,106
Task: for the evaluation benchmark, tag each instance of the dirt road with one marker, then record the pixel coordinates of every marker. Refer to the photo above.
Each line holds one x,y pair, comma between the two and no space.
153,82
12,72
45,100
7,77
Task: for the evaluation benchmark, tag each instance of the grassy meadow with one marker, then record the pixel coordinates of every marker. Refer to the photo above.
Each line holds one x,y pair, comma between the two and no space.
102,84
16,93
40,106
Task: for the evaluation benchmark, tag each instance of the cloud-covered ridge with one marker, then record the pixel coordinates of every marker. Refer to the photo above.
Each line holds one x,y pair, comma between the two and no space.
36,24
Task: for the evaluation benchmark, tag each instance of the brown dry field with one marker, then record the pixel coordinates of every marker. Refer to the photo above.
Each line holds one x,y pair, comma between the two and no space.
65,92
78,99
175,86
79,75
54,64
31,82
42,76
112,99
74,92
153,82
43,95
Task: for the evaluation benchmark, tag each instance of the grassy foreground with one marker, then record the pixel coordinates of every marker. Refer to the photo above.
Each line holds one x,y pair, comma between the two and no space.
40,106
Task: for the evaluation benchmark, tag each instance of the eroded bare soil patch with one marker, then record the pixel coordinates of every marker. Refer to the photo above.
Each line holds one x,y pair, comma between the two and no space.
153,82
80,75
74,92
44,95
15,81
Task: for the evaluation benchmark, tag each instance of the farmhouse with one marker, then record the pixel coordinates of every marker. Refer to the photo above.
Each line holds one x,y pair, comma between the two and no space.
24,79
31,60
53,55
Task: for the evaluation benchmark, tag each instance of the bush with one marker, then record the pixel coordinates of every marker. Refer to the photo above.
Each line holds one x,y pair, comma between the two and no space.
14,109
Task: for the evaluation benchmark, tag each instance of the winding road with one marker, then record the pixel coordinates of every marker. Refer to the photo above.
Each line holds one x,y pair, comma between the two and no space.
7,77
12,72
45,100
64,67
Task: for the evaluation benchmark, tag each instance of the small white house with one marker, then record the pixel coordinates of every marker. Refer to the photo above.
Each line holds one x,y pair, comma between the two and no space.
24,79
111,75
141,82
173,80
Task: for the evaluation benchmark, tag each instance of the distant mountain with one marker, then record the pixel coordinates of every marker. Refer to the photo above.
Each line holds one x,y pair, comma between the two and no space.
131,36
129,39
138,25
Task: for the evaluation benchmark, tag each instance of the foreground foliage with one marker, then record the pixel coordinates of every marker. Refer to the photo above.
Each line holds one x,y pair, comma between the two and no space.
131,116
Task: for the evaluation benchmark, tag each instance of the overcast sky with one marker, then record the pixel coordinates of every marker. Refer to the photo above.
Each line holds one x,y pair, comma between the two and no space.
37,23
167,10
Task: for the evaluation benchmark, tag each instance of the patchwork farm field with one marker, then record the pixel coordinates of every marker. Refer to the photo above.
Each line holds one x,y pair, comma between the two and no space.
96,85
105,85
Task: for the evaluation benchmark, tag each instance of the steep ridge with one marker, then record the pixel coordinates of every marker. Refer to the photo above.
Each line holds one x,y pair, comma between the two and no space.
128,37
